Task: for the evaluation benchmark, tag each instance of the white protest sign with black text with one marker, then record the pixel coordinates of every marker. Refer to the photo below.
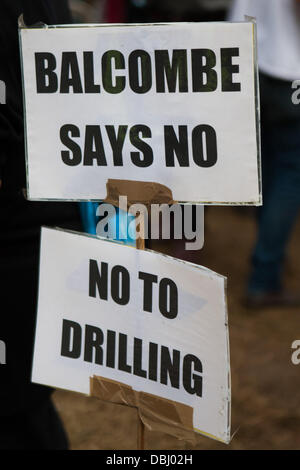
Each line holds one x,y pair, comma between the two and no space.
168,103
138,317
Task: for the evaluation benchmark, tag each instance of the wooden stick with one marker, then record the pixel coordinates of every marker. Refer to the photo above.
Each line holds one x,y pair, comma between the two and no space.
140,433
140,242
140,245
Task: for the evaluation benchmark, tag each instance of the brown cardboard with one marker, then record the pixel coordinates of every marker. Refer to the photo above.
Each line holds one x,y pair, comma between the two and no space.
140,241
138,192
140,244
156,413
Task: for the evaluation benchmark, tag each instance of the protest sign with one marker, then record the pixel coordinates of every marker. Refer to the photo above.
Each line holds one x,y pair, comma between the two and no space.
173,104
154,323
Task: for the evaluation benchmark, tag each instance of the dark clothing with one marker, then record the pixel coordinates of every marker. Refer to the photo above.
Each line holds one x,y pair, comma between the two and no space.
20,223
280,132
19,255
39,428
12,162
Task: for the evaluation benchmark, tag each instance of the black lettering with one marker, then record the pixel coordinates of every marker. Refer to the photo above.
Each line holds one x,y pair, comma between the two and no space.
70,74
93,343
140,71
71,339
137,358
46,78
148,279
97,281
93,147
178,146
205,78
89,75
175,72
205,154
120,290
228,69
170,367
74,158
192,382
111,349
107,72
117,142
146,150
153,355
168,303
123,354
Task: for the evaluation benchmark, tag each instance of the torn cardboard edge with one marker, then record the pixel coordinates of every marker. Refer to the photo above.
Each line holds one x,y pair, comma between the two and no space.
156,413
138,192
23,25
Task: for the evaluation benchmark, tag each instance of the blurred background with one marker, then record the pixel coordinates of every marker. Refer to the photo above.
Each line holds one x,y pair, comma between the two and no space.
130,11
265,383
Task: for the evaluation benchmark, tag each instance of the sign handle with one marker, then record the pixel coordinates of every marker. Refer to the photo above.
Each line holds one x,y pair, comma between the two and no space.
140,242
140,245
140,433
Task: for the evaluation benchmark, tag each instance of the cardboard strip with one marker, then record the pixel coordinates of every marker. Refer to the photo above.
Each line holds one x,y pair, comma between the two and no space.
156,413
138,192
140,227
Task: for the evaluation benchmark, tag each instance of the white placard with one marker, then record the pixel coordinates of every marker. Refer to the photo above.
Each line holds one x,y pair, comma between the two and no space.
168,103
167,317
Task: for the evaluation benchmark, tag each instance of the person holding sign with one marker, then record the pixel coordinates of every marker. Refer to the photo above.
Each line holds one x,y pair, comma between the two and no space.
279,62
28,419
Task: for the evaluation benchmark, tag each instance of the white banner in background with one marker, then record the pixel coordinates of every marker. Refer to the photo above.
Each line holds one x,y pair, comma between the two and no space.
138,317
168,103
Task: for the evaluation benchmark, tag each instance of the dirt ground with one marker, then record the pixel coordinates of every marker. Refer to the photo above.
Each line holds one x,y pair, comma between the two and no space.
265,383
